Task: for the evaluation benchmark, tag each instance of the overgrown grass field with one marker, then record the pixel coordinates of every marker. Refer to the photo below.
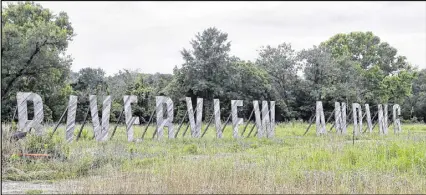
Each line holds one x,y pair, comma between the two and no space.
288,163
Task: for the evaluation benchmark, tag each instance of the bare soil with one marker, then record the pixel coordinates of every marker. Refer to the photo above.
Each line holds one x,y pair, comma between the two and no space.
21,187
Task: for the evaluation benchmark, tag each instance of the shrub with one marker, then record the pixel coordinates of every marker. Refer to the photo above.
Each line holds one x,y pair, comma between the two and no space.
46,145
190,149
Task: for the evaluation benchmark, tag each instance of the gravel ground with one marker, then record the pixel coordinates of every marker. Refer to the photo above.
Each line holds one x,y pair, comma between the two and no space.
21,187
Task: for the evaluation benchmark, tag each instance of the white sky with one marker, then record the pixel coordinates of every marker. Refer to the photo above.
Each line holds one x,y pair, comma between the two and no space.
150,35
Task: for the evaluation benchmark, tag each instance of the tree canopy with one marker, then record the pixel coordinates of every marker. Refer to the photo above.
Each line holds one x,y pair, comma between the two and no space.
34,41
354,67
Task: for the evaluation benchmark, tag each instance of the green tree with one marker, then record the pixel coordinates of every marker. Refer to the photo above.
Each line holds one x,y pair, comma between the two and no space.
89,81
204,70
398,86
118,87
282,67
366,48
144,86
414,106
210,72
146,99
319,80
381,75
34,41
158,82
245,81
319,71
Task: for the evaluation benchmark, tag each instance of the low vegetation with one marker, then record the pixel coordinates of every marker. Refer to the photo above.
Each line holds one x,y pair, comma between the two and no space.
288,163
34,192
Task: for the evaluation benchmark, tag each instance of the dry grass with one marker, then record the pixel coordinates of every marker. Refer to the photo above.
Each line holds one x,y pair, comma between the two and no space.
205,177
289,163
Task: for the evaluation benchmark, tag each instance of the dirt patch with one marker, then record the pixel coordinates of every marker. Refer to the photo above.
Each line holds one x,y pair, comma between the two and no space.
22,187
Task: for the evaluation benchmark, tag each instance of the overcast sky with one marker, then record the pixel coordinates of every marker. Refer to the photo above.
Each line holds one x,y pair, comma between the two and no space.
150,35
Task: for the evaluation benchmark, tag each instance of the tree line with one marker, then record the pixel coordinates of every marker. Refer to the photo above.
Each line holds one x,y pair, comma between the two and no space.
353,67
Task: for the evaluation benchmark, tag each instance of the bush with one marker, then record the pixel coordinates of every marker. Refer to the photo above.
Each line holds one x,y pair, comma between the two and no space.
45,145
191,149
84,134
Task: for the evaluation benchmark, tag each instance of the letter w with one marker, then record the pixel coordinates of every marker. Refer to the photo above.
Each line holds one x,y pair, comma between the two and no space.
265,123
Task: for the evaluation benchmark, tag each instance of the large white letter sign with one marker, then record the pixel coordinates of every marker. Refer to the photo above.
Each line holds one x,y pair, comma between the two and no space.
320,121
357,120
265,123
396,120
195,125
235,120
368,116
130,121
101,132
340,117
161,121
217,121
23,123
383,119
272,121
72,109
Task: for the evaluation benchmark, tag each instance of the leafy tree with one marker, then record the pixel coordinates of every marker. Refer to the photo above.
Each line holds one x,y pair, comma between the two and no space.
247,82
146,100
398,86
319,71
118,83
282,67
414,106
176,90
204,70
89,81
347,84
34,41
354,67
209,72
158,82
366,48
379,74
144,86
373,80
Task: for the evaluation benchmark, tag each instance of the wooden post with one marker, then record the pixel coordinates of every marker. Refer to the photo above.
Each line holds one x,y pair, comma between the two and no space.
248,121
227,120
187,127
149,122
59,122
332,127
251,130
84,123
205,130
349,117
118,122
373,125
353,137
310,123
328,120
181,123
195,115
